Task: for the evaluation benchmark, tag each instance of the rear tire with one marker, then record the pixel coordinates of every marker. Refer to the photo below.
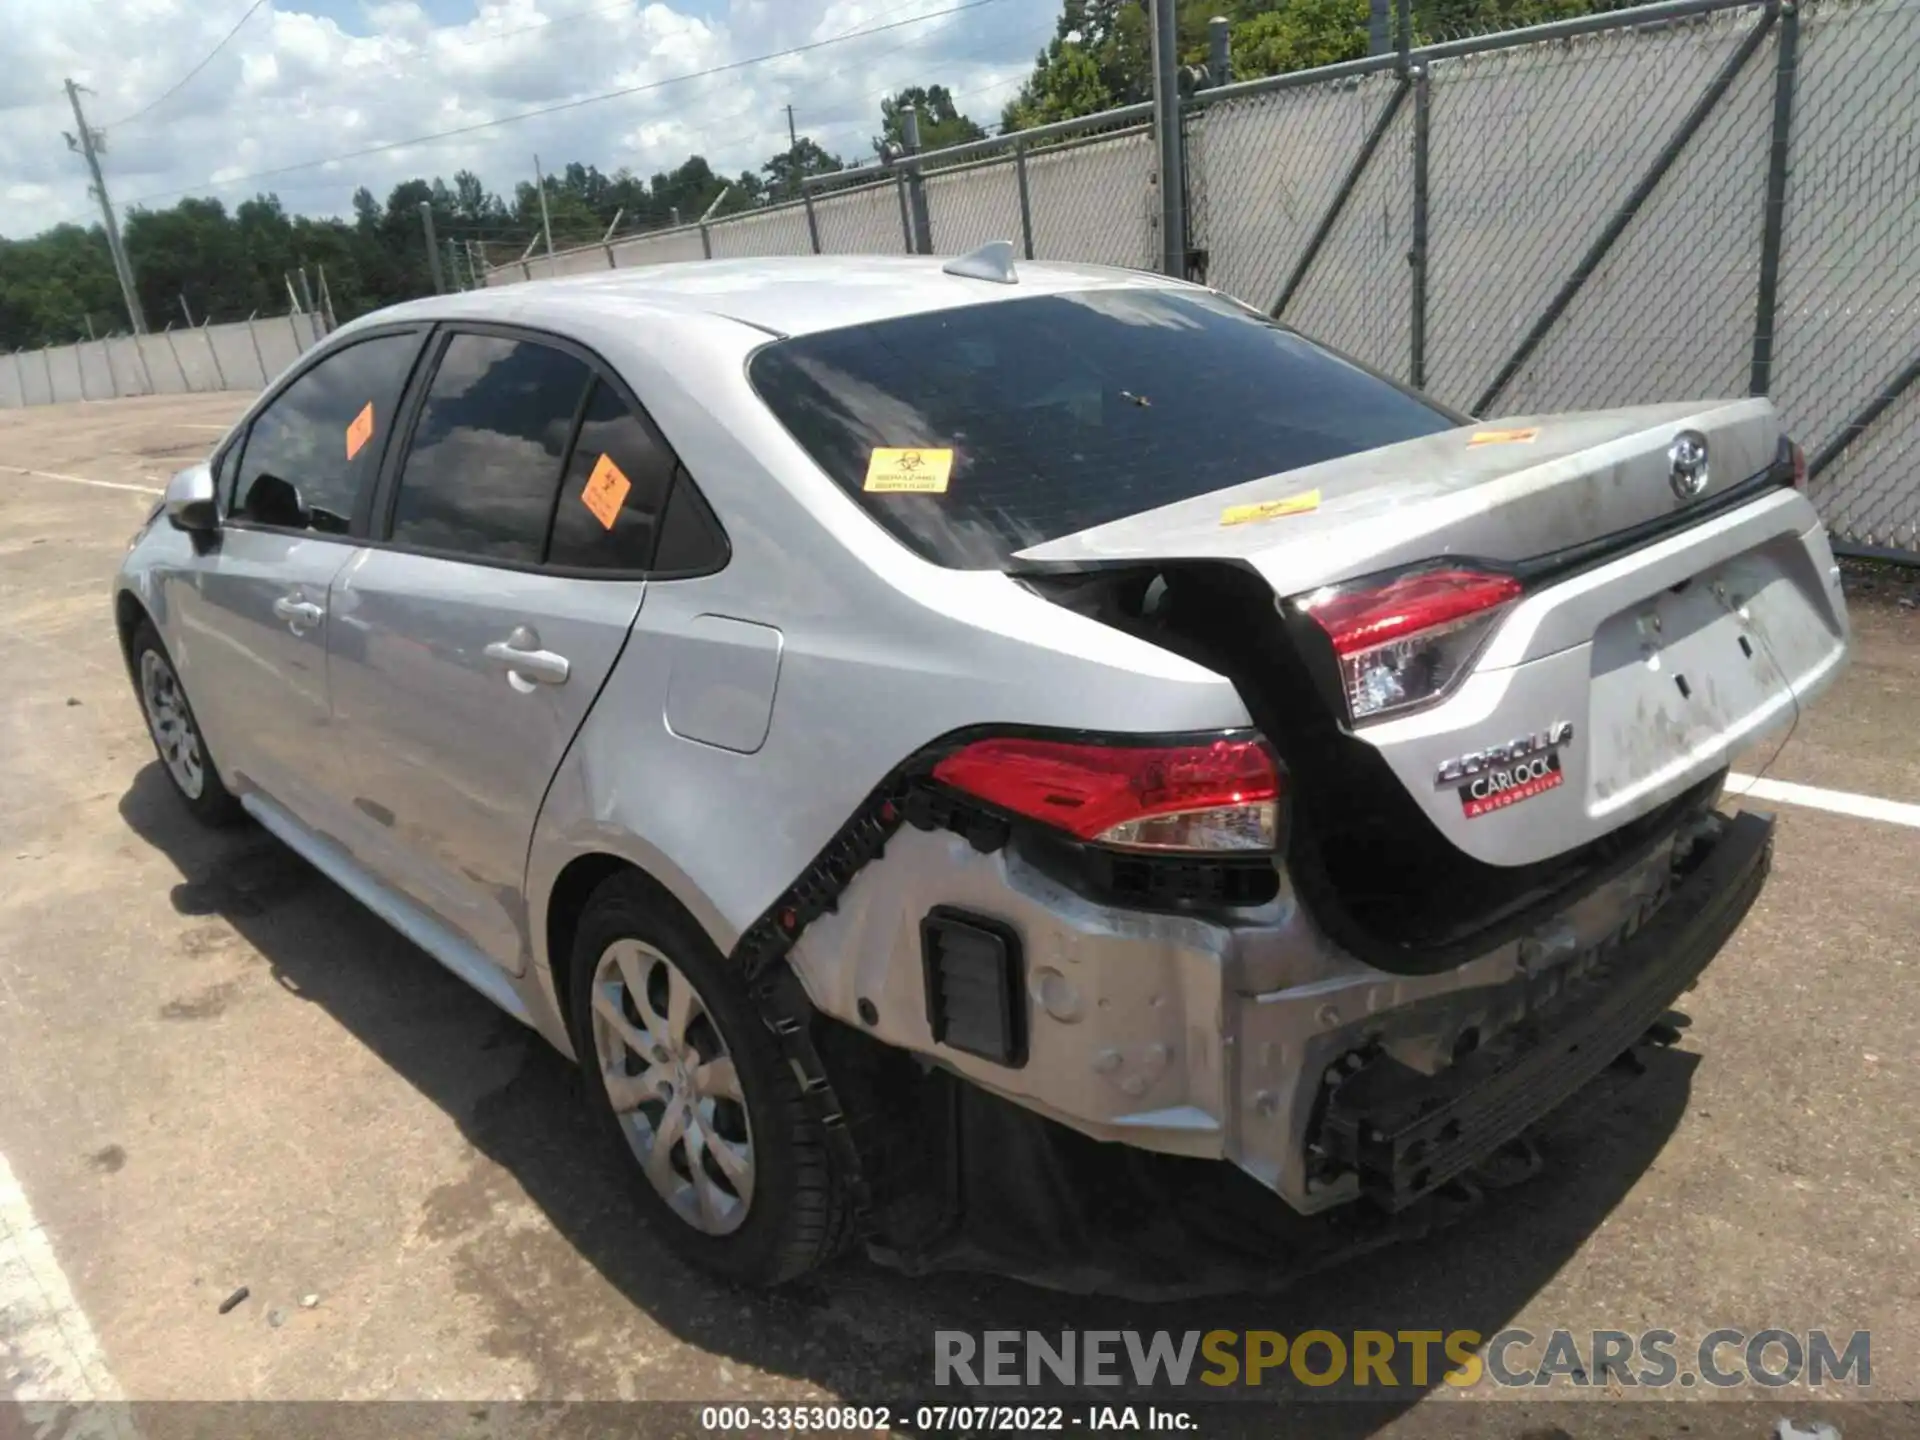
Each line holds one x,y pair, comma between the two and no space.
674,1054
176,734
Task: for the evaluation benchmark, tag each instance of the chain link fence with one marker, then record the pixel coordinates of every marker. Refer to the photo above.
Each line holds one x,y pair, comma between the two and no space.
242,356
1684,200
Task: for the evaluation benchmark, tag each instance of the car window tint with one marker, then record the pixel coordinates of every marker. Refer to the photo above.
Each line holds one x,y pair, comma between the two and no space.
615,489
309,454
691,540
1060,412
484,462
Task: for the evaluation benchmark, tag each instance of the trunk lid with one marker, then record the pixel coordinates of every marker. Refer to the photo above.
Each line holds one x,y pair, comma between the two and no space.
1506,490
1668,645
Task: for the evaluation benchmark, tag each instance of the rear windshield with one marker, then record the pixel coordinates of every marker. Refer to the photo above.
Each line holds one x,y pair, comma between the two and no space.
1067,411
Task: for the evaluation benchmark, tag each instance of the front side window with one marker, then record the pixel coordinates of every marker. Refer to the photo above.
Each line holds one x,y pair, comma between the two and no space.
1052,414
483,468
315,448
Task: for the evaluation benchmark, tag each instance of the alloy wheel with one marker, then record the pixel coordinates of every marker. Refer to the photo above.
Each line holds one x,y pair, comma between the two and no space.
673,1085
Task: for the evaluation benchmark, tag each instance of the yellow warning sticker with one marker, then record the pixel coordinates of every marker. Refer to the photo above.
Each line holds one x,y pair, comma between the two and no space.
1271,509
1503,437
606,491
360,431
908,472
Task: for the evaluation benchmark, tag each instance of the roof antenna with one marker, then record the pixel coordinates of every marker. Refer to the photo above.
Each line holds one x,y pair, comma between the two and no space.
992,261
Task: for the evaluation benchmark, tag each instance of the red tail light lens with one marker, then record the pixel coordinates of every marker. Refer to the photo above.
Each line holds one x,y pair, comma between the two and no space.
1218,795
1799,458
1406,641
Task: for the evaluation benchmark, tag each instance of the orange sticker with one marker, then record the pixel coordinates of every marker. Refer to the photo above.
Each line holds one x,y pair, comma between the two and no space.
360,431
606,491
1503,437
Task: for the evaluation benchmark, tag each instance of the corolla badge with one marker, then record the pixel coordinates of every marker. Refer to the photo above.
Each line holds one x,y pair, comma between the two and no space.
1503,775
1687,457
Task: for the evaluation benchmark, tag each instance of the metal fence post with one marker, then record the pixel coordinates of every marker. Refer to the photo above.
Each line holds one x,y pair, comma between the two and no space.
186,385
213,354
920,231
259,356
1026,201
706,242
46,361
1166,131
1417,253
906,218
80,367
1616,226
813,221
1773,221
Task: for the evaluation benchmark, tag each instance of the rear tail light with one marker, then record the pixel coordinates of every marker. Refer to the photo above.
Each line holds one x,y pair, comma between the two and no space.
1214,795
1407,641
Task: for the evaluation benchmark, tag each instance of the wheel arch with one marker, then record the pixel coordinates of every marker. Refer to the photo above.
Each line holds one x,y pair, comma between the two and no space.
128,615
565,901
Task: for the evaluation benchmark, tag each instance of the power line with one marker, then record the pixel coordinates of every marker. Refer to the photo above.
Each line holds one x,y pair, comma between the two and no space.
564,105
181,83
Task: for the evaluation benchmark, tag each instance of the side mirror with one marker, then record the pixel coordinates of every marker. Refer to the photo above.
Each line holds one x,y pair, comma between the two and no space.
190,504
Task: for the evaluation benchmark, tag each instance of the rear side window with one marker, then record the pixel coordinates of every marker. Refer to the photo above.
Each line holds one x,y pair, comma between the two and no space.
1063,412
616,487
483,468
316,446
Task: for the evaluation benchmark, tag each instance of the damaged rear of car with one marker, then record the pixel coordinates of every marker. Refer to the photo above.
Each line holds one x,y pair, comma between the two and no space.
1462,851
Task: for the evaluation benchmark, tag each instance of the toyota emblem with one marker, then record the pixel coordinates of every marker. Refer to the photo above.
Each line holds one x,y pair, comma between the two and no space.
1688,458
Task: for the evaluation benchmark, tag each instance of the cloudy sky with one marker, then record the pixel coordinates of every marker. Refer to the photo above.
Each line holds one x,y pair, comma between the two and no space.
307,80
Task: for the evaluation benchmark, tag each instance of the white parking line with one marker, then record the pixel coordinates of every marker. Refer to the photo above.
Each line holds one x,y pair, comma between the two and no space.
50,1353
83,480
1837,802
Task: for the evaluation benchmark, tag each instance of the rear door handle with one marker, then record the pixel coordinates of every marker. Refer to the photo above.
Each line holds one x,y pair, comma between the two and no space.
526,663
299,614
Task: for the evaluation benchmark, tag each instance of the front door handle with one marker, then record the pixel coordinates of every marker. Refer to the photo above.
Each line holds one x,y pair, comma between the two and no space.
299,614
526,663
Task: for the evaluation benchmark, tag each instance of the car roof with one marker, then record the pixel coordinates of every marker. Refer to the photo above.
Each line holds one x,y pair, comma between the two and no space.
781,295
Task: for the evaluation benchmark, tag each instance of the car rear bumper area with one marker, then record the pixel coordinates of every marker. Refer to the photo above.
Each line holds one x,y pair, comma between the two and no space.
1405,1134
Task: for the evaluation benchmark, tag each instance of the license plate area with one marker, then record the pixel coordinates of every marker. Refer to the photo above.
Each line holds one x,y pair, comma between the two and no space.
1686,677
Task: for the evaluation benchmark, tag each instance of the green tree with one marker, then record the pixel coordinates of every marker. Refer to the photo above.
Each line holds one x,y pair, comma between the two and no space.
785,171
1300,36
941,123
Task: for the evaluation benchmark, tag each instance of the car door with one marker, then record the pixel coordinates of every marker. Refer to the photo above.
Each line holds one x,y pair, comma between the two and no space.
253,614
470,639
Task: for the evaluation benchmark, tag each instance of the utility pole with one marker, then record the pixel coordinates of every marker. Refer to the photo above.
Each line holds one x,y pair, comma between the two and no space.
89,144
546,225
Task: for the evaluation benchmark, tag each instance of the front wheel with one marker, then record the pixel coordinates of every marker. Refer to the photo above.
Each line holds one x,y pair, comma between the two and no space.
732,1162
176,733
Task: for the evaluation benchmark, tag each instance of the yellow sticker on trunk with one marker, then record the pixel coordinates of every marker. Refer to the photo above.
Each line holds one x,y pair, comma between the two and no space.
360,431
606,491
1271,509
908,472
1503,437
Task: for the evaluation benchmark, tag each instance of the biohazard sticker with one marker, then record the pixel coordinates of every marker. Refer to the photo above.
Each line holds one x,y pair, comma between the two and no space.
1502,437
908,472
1497,789
1299,504
360,431
606,491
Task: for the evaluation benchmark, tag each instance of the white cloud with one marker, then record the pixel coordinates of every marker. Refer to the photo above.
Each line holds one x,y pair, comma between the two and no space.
305,80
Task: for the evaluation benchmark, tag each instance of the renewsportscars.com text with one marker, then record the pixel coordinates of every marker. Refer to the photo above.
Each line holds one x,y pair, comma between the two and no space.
1373,1360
